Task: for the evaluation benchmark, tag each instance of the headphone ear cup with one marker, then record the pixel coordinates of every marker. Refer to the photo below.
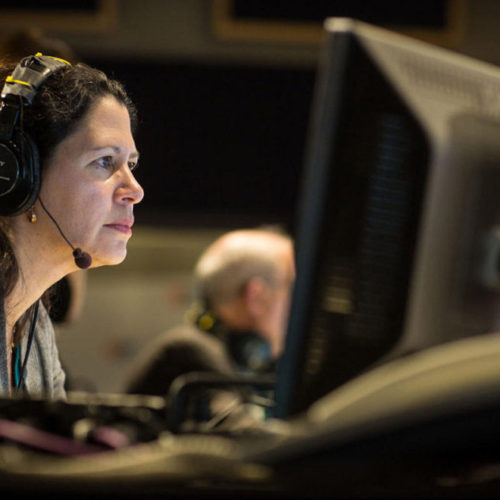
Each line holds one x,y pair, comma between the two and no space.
19,174
250,351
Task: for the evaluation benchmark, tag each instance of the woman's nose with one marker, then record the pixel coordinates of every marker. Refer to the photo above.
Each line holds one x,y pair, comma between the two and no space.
130,191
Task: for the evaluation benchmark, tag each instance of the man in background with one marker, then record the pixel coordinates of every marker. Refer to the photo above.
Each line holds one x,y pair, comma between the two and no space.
243,284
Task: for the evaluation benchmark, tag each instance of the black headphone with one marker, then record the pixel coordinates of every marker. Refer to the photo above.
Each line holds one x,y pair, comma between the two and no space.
247,349
19,159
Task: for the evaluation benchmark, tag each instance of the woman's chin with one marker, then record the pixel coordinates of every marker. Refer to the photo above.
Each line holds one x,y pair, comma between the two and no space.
109,259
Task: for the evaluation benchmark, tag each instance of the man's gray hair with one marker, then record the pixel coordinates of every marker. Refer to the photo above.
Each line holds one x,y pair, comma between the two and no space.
231,262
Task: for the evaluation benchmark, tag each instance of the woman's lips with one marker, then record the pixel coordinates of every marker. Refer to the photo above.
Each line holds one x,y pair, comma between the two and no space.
124,227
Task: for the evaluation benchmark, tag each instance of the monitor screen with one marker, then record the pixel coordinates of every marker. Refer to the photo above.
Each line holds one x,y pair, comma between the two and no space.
398,227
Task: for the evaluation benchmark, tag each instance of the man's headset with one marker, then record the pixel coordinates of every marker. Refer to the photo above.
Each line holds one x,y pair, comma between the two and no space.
247,349
19,158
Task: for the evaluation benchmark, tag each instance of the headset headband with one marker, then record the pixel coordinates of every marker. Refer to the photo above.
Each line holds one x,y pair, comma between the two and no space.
29,75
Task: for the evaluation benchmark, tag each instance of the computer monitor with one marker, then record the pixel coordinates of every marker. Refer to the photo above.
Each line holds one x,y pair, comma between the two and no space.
398,227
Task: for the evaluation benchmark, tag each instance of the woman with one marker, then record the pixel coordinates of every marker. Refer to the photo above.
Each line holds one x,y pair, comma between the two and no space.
81,123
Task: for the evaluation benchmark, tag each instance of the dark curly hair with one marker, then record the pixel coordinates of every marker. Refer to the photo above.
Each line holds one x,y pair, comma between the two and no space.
64,99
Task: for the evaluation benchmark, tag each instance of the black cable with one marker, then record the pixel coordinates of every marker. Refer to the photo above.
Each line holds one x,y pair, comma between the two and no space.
55,222
20,385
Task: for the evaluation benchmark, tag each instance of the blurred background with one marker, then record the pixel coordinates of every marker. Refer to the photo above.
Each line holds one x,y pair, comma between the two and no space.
224,90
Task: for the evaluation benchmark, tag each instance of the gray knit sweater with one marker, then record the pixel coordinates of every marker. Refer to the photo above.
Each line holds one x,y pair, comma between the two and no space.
44,376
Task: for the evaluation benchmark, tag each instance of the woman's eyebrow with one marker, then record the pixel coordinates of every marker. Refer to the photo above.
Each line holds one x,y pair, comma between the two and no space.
135,154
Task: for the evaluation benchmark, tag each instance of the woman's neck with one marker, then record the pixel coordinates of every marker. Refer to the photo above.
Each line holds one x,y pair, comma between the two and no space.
39,269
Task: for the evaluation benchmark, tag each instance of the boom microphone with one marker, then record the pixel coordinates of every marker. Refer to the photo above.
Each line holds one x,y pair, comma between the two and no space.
82,259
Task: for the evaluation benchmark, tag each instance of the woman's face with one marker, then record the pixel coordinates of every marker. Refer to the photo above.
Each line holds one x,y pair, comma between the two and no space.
89,188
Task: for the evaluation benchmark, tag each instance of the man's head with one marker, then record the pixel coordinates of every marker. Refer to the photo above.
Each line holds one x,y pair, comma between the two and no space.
245,277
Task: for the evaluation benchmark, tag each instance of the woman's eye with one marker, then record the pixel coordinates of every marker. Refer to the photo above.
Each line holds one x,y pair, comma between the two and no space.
132,165
105,162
